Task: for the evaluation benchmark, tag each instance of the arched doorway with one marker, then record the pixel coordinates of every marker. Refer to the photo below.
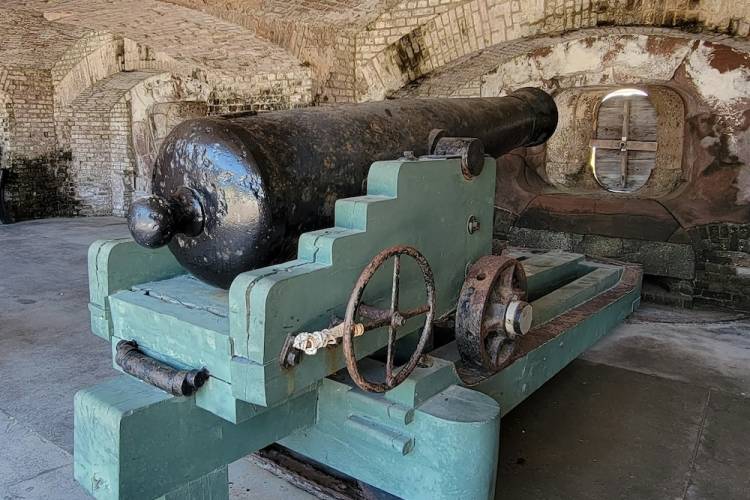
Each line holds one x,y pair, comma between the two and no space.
117,127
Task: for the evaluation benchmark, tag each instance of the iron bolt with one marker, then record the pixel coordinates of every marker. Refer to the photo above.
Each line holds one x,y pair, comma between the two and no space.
397,320
293,357
473,225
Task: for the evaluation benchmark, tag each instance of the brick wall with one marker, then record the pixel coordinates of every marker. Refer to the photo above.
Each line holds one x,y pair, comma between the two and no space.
326,51
713,270
723,264
98,140
122,174
37,168
38,183
265,92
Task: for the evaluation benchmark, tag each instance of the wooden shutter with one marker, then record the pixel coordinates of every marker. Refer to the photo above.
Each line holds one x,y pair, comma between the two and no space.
625,143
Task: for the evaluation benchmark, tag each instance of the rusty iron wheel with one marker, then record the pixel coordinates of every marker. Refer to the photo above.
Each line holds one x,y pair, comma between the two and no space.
393,318
484,338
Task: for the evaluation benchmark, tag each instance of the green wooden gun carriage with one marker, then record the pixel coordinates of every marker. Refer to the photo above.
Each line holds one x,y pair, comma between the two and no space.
333,354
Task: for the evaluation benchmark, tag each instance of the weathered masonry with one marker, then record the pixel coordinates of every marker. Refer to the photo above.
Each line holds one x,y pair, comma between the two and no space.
657,174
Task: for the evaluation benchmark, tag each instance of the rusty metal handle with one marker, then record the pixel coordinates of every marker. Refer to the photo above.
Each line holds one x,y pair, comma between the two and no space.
156,373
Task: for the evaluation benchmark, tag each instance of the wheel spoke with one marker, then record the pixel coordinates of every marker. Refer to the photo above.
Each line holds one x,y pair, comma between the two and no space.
392,327
380,323
396,276
494,317
374,313
410,313
389,356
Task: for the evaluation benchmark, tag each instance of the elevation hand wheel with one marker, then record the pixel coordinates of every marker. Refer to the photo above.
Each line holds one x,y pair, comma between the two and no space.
393,318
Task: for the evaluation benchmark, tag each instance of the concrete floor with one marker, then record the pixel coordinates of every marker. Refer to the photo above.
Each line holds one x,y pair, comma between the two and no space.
659,409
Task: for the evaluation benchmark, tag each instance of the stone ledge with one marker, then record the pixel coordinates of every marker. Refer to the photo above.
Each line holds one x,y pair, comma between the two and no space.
658,258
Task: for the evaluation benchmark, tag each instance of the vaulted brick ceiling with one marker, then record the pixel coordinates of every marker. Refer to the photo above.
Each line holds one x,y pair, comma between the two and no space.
177,32
51,40
340,14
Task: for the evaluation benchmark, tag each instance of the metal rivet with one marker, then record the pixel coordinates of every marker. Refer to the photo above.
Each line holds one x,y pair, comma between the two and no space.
293,357
473,225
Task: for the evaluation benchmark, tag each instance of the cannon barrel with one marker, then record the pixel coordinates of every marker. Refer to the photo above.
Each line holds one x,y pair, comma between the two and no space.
231,194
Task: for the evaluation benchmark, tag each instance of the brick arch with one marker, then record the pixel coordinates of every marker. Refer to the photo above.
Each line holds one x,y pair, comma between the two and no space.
57,54
110,146
171,36
470,28
93,57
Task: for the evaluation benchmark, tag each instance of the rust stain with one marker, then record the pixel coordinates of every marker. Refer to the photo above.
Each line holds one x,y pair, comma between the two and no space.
618,47
540,52
725,58
665,46
589,41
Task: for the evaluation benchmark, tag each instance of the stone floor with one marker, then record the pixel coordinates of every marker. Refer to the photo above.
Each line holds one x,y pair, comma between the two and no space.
659,409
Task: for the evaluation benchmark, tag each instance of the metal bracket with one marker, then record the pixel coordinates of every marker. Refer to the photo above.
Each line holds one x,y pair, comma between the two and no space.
469,149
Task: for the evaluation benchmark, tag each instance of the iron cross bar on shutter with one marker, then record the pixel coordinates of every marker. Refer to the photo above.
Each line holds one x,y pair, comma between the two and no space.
624,144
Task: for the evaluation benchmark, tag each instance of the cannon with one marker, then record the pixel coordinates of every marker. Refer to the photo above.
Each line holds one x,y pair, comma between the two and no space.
234,194
387,349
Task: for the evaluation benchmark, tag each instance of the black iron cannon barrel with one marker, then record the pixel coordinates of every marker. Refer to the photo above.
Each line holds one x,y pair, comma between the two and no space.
233,194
